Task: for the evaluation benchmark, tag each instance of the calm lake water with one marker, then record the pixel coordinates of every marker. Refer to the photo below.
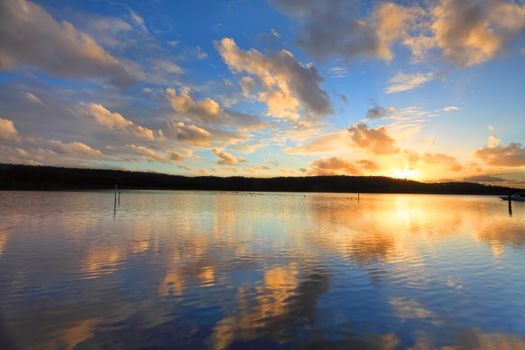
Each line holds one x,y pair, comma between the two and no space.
251,270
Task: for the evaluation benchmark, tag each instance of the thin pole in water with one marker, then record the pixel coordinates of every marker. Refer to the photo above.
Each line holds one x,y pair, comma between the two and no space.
510,205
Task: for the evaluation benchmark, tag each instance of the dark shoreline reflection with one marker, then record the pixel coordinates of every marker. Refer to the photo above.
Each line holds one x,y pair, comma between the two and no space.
239,270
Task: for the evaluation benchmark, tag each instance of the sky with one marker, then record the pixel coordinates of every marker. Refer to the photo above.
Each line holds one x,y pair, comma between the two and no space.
423,90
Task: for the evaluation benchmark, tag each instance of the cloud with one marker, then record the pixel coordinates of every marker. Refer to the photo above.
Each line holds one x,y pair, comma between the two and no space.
249,147
419,45
484,178
333,166
378,112
442,159
166,67
288,87
493,141
374,140
247,85
33,98
368,165
73,148
226,158
199,53
404,82
332,28
206,110
326,143
116,121
512,155
472,32
30,36
188,133
210,111
138,20
36,151
467,32
176,156
149,154
7,130
451,109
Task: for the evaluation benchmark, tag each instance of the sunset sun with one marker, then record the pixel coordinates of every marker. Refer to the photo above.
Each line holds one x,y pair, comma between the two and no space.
406,173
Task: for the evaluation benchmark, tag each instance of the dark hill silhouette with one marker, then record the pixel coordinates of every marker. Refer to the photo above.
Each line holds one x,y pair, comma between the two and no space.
26,177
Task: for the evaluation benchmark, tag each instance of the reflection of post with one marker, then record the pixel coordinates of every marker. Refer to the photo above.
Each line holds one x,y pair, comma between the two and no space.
510,205
119,198
358,197
115,201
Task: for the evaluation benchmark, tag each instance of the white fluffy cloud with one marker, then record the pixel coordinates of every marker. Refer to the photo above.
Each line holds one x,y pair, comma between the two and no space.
288,87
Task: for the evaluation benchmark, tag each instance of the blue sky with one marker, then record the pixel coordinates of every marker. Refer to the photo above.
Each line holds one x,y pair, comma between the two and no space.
424,90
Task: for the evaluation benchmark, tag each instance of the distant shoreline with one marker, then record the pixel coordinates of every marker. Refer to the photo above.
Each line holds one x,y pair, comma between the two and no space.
46,178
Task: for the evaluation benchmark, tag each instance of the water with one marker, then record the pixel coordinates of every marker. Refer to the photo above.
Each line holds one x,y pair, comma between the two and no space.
243,270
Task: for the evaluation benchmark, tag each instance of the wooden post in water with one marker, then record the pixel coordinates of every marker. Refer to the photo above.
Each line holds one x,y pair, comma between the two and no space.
358,197
510,205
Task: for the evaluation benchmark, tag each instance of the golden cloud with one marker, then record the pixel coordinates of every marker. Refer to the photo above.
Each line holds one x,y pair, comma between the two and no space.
226,158
512,155
7,130
374,140
333,166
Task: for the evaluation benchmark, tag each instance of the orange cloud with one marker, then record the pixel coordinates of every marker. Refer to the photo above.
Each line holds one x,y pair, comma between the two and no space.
374,140
512,155
333,166
183,103
368,165
226,158
7,130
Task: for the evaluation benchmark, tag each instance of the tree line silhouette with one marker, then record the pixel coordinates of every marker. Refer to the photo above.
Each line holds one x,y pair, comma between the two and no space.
27,177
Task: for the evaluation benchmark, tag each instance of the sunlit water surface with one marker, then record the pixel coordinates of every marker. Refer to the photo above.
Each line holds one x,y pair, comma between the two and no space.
250,270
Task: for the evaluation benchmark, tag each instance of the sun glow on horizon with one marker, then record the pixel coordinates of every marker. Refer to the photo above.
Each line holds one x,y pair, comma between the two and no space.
406,173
